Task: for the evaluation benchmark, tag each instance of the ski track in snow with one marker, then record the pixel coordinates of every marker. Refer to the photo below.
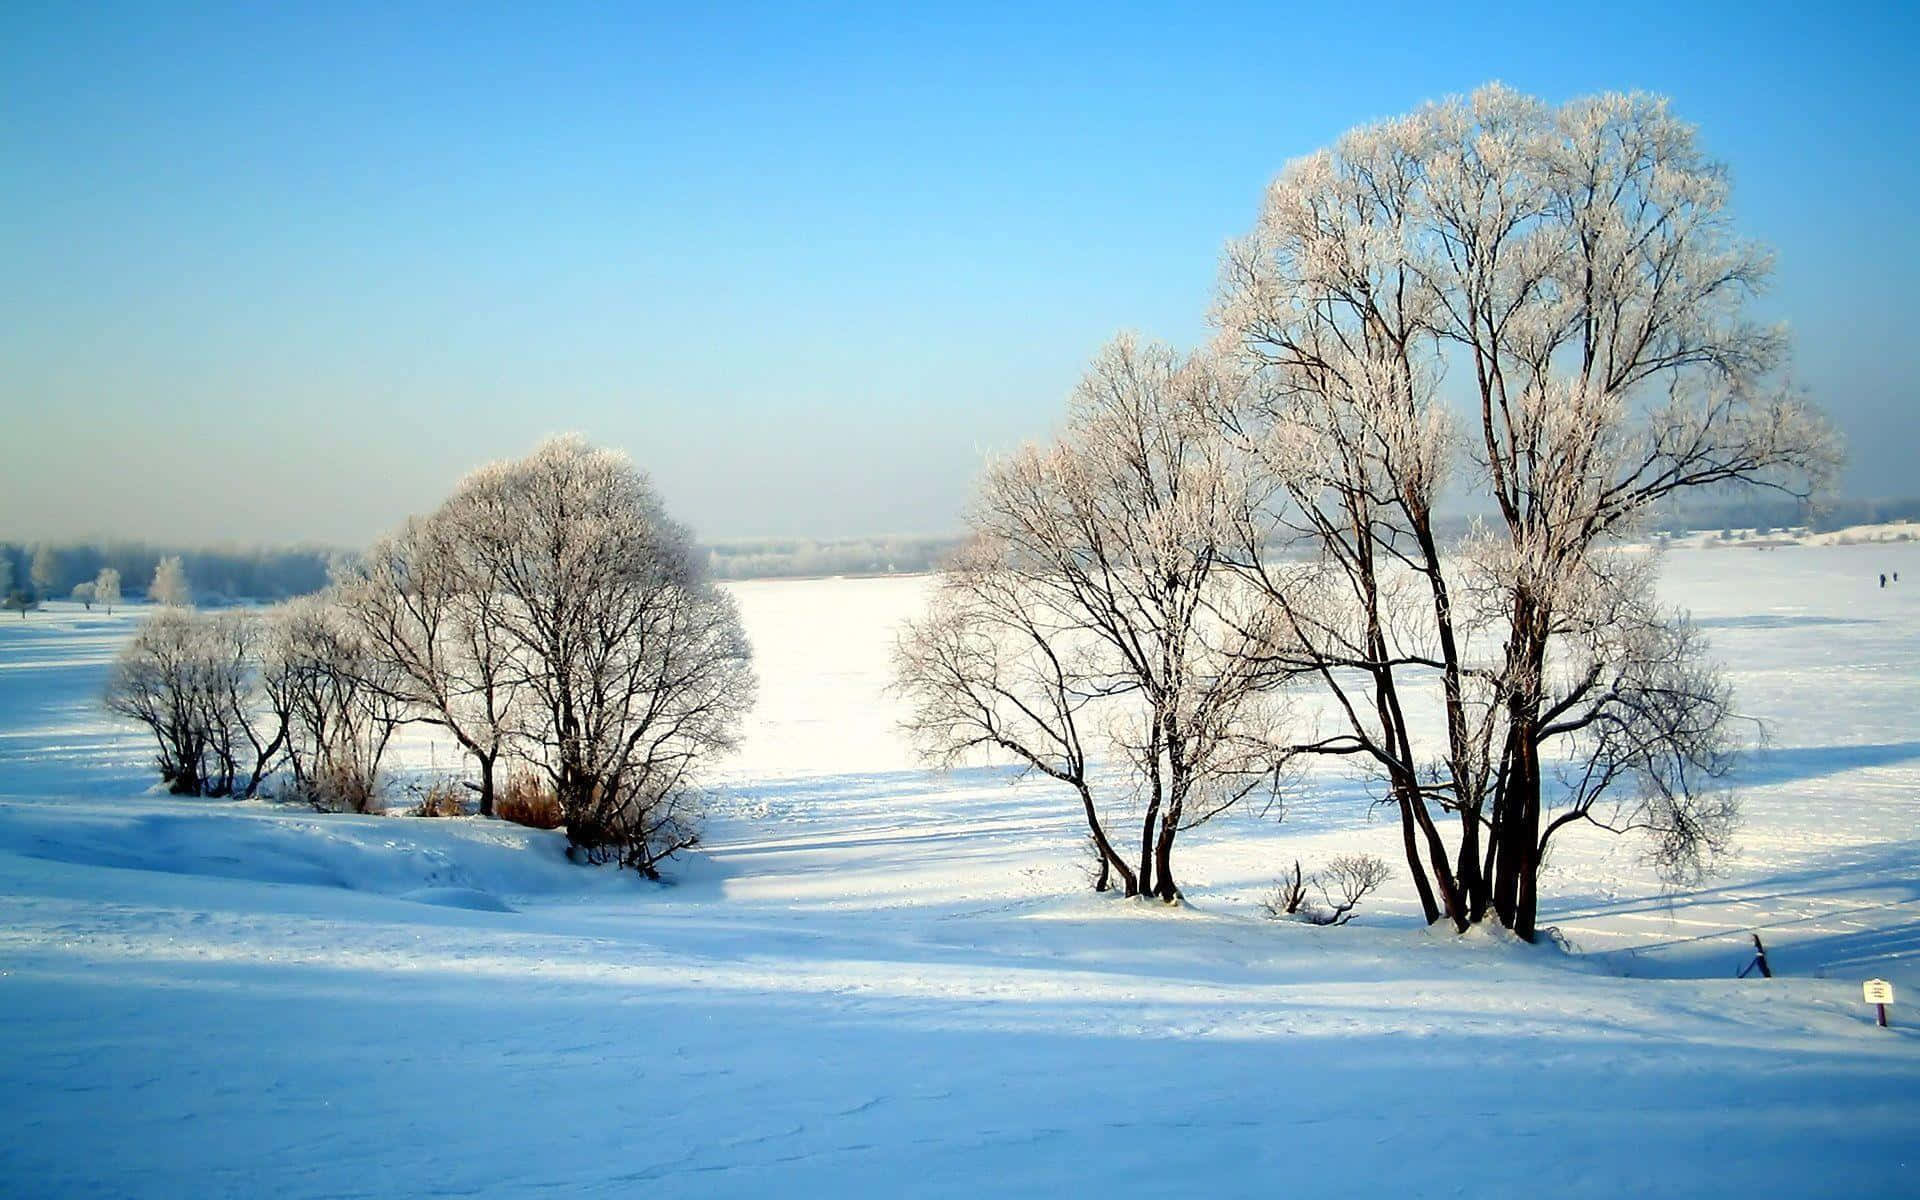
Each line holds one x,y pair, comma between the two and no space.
874,980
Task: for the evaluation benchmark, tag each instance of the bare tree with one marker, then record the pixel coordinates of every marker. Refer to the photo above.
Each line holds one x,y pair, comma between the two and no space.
169,586
158,679
1580,261
437,619
1086,625
342,705
198,683
635,666
248,701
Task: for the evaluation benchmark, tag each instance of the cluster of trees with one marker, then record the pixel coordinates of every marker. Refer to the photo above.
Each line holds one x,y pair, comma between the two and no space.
54,569
1228,565
43,577
549,613
169,585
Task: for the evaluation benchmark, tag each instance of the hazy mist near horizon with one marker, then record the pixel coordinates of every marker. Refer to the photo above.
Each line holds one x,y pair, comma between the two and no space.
284,276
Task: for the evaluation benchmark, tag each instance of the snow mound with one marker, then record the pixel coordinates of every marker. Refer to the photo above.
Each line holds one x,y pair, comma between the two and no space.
461,863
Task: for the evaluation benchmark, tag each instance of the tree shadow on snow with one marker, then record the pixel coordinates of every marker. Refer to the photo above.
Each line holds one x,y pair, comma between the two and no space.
1795,764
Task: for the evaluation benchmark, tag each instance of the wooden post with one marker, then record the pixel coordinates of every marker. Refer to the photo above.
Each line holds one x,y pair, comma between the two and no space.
1883,1015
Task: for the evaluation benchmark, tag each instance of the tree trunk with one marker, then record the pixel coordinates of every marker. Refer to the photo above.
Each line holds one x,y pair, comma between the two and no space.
1410,842
1517,813
1468,876
1110,860
1147,826
1526,845
185,781
1163,863
1481,899
486,782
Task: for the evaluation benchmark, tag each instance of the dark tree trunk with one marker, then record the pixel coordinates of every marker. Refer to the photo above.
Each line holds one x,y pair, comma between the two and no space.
1517,813
486,783
1417,869
1163,864
1468,876
185,781
1110,859
1526,845
1481,900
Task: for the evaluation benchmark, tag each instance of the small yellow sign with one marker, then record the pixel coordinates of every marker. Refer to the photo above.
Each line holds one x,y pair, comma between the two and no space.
1878,991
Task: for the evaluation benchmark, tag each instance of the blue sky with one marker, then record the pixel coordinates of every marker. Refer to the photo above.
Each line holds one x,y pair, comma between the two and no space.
284,273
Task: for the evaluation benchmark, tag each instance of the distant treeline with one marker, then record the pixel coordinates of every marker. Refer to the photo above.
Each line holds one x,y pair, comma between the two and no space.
766,558
215,576
1766,512
268,574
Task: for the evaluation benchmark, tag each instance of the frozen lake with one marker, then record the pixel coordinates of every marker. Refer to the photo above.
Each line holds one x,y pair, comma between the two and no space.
874,980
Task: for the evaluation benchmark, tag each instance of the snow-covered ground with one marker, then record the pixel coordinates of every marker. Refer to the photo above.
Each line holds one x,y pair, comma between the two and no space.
877,981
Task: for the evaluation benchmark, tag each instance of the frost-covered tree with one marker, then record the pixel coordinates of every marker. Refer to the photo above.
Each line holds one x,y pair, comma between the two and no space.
1087,631
199,684
9,596
158,679
45,571
1577,265
169,586
635,668
83,592
106,588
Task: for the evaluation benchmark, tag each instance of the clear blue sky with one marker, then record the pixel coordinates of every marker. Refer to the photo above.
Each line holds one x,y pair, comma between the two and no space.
278,273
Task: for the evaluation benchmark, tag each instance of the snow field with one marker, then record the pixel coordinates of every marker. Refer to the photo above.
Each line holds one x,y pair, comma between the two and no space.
877,981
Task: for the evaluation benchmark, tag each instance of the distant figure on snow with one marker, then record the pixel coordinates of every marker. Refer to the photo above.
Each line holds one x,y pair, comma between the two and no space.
1883,579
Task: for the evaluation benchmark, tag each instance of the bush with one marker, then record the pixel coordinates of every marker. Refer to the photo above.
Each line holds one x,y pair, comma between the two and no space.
1350,877
1288,894
528,800
442,798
